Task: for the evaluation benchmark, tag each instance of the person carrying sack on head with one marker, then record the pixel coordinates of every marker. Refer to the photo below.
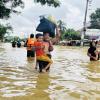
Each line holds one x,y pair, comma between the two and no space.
40,53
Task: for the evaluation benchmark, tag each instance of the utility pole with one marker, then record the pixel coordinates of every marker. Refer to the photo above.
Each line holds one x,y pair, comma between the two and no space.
84,24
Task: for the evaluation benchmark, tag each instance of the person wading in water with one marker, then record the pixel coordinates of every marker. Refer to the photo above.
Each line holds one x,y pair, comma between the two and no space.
92,52
48,42
30,45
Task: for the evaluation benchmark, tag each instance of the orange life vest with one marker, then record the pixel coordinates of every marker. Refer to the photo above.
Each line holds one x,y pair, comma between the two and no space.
30,43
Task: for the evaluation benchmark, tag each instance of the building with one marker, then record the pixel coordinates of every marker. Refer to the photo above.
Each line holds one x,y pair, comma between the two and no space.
91,33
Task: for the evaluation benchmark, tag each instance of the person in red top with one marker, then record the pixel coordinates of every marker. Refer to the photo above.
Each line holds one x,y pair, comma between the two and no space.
40,54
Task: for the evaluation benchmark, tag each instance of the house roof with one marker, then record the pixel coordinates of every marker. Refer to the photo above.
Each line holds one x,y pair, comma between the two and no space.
91,32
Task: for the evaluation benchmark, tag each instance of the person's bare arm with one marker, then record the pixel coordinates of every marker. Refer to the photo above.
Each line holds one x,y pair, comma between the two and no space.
57,37
95,58
89,54
50,46
96,53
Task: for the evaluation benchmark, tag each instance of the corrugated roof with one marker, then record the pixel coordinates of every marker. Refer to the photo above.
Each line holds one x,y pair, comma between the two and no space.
93,32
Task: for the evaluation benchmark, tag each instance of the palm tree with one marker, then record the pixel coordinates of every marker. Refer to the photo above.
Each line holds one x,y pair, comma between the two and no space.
61,25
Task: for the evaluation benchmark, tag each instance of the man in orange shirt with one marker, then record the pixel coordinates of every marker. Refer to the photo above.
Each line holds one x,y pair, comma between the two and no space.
30,44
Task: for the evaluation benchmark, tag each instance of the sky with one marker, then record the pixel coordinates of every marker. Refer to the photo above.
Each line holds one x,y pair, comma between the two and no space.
70,11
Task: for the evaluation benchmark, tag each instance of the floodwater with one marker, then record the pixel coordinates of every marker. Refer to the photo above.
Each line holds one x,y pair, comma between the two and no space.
72,76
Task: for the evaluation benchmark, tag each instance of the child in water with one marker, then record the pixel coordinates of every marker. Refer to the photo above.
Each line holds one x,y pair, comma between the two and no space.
40,54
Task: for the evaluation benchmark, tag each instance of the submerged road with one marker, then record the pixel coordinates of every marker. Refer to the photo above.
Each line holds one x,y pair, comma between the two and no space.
72,75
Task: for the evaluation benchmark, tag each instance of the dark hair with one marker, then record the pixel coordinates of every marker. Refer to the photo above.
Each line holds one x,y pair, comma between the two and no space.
38,35
31,35
96,42
91,44
44,33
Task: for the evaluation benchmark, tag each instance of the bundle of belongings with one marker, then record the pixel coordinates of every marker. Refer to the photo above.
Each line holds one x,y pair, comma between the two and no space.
46,26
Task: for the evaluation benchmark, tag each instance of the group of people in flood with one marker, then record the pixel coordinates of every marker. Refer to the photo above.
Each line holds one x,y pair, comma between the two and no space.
18,43
40,46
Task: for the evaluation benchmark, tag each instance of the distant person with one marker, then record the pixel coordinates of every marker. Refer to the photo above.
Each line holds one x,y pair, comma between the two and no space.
40,53
25,45
29,45
18,44
14,43
92,52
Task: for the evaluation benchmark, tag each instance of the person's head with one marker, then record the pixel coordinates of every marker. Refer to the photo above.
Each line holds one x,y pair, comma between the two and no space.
92,44
46,36
31,35
39,37
96,42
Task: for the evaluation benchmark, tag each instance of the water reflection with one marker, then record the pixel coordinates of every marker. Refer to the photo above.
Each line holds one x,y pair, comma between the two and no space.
94,66
72,76
41,87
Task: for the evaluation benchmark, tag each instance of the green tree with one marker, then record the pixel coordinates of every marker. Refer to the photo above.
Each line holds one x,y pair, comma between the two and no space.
95,19
4,30
62,27
54,3
71,34
6,10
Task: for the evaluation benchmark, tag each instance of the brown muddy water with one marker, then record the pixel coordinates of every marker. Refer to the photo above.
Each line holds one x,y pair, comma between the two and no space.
72,76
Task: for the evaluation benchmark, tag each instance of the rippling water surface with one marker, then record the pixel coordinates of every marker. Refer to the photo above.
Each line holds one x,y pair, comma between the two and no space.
72,76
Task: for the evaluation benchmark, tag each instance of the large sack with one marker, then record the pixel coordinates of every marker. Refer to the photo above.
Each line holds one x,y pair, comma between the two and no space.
46,26
52,19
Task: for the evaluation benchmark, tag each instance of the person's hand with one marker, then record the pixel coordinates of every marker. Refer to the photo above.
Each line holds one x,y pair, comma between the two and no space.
50,43
95,58
89,54
58,31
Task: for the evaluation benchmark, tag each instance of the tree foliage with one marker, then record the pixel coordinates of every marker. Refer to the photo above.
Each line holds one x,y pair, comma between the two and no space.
54,3
61,25
4,30
6,10
8,6
95,19
70,34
